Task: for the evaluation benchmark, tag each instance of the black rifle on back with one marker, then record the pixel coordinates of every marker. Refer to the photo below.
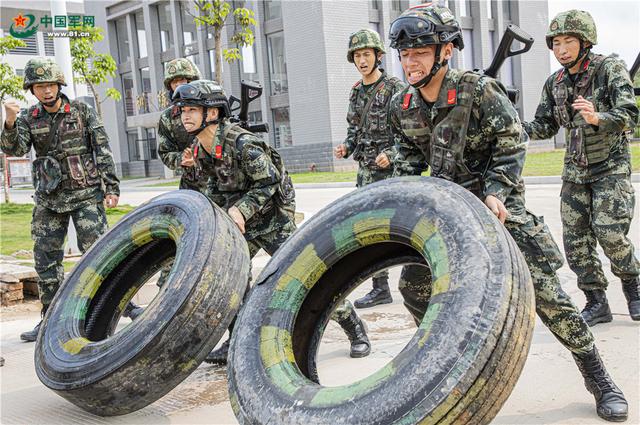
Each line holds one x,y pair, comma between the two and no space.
632,73
249,91
511,34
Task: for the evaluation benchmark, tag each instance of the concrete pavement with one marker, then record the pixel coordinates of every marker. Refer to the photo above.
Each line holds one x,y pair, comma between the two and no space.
550,389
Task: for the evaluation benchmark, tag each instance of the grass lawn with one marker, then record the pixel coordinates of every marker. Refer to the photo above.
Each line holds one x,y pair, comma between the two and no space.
15,225
537,164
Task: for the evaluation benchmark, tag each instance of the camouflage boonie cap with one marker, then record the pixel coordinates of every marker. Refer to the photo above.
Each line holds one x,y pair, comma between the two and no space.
423,25
364,39
180,68
42,70
578,23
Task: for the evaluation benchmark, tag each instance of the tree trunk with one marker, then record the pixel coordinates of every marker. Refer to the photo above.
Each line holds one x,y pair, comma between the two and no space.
217,36
96,99
5,179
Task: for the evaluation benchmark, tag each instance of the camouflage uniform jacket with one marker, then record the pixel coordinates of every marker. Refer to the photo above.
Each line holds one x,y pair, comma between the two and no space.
242,173
367,138
80,137
494,149
611,92
173,140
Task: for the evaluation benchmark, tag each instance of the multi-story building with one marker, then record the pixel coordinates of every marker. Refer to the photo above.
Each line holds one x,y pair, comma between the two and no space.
299,55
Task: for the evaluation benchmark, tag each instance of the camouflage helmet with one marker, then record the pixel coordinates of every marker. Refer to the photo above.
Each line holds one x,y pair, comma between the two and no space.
578,23
364,39
180,68
205,93
42,70
423,25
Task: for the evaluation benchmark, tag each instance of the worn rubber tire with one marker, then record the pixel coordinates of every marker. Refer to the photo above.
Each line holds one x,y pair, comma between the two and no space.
77,354
467,353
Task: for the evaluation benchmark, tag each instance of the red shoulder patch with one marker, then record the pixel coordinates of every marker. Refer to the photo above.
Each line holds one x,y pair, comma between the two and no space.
451,97
67,108
218,152
35,113
560,74
357,84
195,150
406,101
585,64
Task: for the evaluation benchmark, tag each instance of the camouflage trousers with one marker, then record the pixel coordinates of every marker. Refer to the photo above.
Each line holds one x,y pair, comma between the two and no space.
48,231
367,176
553,305
598,213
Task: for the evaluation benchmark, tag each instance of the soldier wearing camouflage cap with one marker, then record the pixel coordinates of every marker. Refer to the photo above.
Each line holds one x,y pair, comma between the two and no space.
73,163
368,138
173,140
591,96
463,126
247,178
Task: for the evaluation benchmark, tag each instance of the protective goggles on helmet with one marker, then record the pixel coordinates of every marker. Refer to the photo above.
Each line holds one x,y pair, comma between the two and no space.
415,27
186,94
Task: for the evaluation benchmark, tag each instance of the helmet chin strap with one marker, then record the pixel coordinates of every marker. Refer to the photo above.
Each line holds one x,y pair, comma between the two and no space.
54,101
434,70
205,123
584,51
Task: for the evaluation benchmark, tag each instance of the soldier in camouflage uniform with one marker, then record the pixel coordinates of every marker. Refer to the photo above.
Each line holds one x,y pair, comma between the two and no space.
592,98
464,127
368,138
247,179
73,162
174,141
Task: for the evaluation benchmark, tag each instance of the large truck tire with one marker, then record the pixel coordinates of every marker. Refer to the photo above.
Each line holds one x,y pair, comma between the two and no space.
79,356
468,351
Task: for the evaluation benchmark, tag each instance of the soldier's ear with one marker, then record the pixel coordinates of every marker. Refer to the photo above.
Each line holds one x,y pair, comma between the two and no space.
212,114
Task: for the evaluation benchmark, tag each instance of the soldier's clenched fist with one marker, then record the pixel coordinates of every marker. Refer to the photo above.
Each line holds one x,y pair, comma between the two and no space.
11,110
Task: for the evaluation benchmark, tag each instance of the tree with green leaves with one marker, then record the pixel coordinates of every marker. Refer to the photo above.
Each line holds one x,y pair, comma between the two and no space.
214,14
10,86
10,83
93,68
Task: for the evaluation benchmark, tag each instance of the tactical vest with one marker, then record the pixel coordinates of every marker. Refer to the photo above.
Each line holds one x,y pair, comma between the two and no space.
372,137
446,142
226,167
64,155
584,145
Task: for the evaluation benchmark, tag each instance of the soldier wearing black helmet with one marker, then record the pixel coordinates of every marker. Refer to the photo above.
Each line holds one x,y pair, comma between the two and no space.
464,127
247,178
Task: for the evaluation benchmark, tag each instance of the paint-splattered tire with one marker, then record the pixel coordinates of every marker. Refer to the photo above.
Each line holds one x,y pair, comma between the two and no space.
77,354
467,353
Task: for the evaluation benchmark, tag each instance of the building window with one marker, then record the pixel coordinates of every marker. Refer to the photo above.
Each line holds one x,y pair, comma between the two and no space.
20,72
467,53
123,40
127,86
152,147
195,58
489,4
212,63
31,49
188,25
282,127
374,4
49,48
142,35
396,5
132,144
506,9
166,28
145,97
248,61
272,9
465,8
277,63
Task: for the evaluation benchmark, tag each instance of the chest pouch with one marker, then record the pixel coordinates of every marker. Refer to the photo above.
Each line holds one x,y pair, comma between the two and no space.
47,174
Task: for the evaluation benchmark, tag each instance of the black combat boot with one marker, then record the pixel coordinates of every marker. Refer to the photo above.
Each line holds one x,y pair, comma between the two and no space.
610,402
132,311
355,330
631,289
219,356
597,309
380,294
32,335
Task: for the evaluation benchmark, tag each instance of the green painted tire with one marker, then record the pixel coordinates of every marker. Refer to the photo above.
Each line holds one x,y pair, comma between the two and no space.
467,353
77,354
